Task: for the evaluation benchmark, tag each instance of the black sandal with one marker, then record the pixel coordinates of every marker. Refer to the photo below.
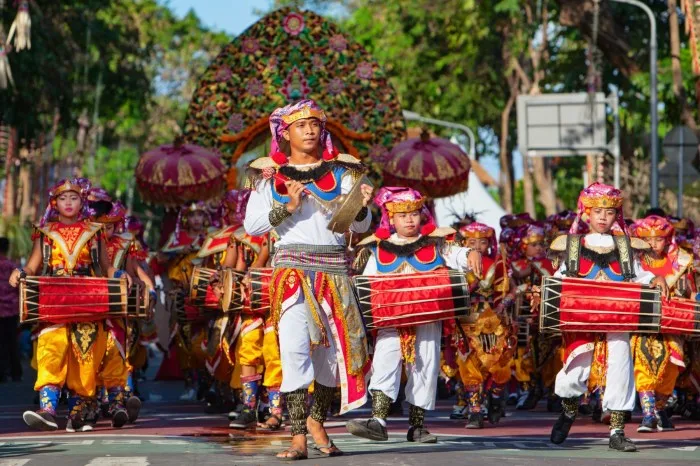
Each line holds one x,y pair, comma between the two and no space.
333,450
298,455
269,427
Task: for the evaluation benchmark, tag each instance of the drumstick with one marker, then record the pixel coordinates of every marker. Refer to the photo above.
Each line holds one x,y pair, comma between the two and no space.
279,177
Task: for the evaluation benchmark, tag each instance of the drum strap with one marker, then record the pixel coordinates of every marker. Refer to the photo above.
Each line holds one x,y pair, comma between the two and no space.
95,257
624,249
45,254
573,255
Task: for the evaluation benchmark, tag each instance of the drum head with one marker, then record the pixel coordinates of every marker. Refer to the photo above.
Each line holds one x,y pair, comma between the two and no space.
228,283
194,281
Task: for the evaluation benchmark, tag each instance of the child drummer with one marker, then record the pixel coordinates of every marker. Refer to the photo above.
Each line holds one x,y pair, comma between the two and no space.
407,242
604,254
658,359
67,244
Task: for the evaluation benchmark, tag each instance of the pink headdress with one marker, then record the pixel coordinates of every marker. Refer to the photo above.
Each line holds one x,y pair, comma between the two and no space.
236,201
528,234
283,117
599,195
481,230
392,200
81,186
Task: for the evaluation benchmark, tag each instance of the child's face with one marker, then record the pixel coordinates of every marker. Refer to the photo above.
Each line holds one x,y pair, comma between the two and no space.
407,225
535,250
109,230
479,244
195,220
69,204
658,245
601,219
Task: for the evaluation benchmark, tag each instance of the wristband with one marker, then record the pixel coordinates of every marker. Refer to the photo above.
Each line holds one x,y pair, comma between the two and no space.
22,272
119,273
278,215
361,214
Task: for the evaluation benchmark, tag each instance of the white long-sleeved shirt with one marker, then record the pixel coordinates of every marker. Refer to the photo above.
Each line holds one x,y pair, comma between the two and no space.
598,240
455,257
308,225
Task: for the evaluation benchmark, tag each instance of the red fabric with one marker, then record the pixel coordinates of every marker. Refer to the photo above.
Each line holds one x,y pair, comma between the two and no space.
74,299
586,265
170,367
408,299
680,316
599,306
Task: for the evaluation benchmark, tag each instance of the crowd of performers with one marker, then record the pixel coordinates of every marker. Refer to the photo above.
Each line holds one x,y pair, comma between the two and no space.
293,338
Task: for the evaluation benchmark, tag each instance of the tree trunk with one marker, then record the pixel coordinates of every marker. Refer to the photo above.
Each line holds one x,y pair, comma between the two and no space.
528,190
678,88
506,158
25,187
542,172
10,195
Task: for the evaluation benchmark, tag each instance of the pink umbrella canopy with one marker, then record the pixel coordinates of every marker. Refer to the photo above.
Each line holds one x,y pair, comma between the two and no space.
175,174
433,166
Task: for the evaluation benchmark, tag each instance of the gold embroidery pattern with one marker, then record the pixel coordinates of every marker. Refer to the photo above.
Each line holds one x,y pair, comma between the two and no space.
623,249
573,251
84,335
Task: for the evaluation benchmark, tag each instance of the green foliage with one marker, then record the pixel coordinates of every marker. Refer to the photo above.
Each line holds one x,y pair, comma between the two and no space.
18,235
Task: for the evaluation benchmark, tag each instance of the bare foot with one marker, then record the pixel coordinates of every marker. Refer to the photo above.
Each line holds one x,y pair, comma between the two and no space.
297,449
320,436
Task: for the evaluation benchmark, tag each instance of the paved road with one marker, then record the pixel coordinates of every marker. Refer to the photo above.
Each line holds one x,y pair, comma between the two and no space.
171,432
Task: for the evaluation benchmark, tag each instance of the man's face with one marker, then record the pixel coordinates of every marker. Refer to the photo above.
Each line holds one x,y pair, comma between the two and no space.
601,219
407,225
304,135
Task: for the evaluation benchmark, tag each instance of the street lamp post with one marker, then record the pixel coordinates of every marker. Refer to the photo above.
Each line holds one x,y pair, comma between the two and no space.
447,124
653,101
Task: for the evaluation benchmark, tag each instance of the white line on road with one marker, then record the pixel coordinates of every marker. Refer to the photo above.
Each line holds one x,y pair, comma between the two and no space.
119,461
14,462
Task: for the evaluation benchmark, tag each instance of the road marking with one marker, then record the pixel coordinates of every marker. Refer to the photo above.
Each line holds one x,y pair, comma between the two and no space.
684,448
121,442
119,461
169,442
14,462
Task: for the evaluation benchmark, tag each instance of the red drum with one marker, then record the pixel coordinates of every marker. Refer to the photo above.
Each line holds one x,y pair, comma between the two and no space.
201,293
680,316
580,305
399,300
61,300
258,302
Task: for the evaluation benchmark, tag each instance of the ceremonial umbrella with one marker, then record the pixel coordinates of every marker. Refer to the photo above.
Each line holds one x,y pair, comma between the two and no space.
433,166
175,174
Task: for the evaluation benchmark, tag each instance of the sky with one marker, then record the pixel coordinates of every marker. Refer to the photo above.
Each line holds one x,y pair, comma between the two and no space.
234,16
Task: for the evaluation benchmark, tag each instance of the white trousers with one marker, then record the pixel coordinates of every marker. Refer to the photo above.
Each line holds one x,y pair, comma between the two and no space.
300,365
422,376
619,386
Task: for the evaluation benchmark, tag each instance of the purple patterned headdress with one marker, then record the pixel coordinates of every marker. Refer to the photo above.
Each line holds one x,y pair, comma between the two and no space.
236,201
77,185
283,117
